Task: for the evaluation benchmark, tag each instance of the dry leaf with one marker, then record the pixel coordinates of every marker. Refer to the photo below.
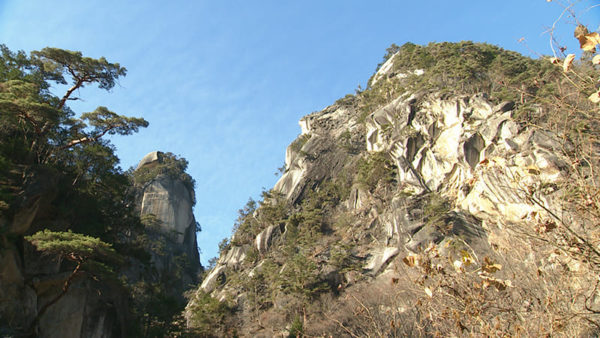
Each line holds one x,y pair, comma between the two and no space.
588,42
431,248
580,31
492,268
554,61
466,257
595,98
596,59
568,62
411,260
428,292
497,283
533,170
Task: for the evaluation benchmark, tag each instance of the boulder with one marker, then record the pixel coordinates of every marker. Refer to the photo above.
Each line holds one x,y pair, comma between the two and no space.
210,282
151,159
234,256
379,258
266,237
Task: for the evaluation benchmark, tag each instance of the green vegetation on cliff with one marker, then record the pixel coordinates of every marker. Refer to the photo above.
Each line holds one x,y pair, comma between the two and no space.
461,68
169,165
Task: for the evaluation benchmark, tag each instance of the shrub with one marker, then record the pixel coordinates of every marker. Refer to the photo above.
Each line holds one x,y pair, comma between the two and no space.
374,169
298,143
296,328
209,316
462,68
169,165
436,208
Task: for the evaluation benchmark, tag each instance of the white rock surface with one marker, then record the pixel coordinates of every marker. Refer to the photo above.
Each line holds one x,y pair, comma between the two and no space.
472,151
264,238
150,159
234,256
170,201
210,282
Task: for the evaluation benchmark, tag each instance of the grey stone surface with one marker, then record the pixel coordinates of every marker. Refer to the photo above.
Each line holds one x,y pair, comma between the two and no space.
150,159
379,258
265,238
234,256
171,202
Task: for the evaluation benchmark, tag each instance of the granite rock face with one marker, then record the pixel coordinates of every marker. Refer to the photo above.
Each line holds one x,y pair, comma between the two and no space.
459,164
92,307
170,202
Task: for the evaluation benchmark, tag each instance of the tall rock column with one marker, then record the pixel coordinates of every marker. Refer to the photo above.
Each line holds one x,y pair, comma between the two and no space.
166,195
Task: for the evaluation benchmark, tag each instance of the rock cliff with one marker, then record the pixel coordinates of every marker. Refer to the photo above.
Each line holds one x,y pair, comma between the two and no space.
169,201
411,216
29,281
34,296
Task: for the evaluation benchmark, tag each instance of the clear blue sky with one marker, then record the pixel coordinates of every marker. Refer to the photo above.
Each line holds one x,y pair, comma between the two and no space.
223,83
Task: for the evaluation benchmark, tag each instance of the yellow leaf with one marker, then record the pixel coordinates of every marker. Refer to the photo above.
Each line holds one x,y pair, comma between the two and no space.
554,61
595,98
411,260
588,42
491,268
568,62
596,59
466,257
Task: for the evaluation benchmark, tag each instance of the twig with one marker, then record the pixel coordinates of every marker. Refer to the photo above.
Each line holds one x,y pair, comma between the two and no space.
342,326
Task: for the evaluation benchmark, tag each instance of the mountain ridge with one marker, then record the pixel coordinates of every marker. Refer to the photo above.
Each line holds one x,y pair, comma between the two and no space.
407,199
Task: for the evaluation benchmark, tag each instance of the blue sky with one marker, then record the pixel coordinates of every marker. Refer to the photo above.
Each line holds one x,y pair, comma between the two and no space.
223,83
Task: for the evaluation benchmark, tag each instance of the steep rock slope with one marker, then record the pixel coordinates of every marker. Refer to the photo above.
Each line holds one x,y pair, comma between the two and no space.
420,213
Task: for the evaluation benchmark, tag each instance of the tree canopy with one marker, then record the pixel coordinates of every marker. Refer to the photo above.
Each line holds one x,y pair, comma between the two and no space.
41,121
72,246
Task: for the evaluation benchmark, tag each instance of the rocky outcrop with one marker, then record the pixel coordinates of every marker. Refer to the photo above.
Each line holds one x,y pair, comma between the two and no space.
379,259
93,305
169,201
410,207
459,163
469,151
266,237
